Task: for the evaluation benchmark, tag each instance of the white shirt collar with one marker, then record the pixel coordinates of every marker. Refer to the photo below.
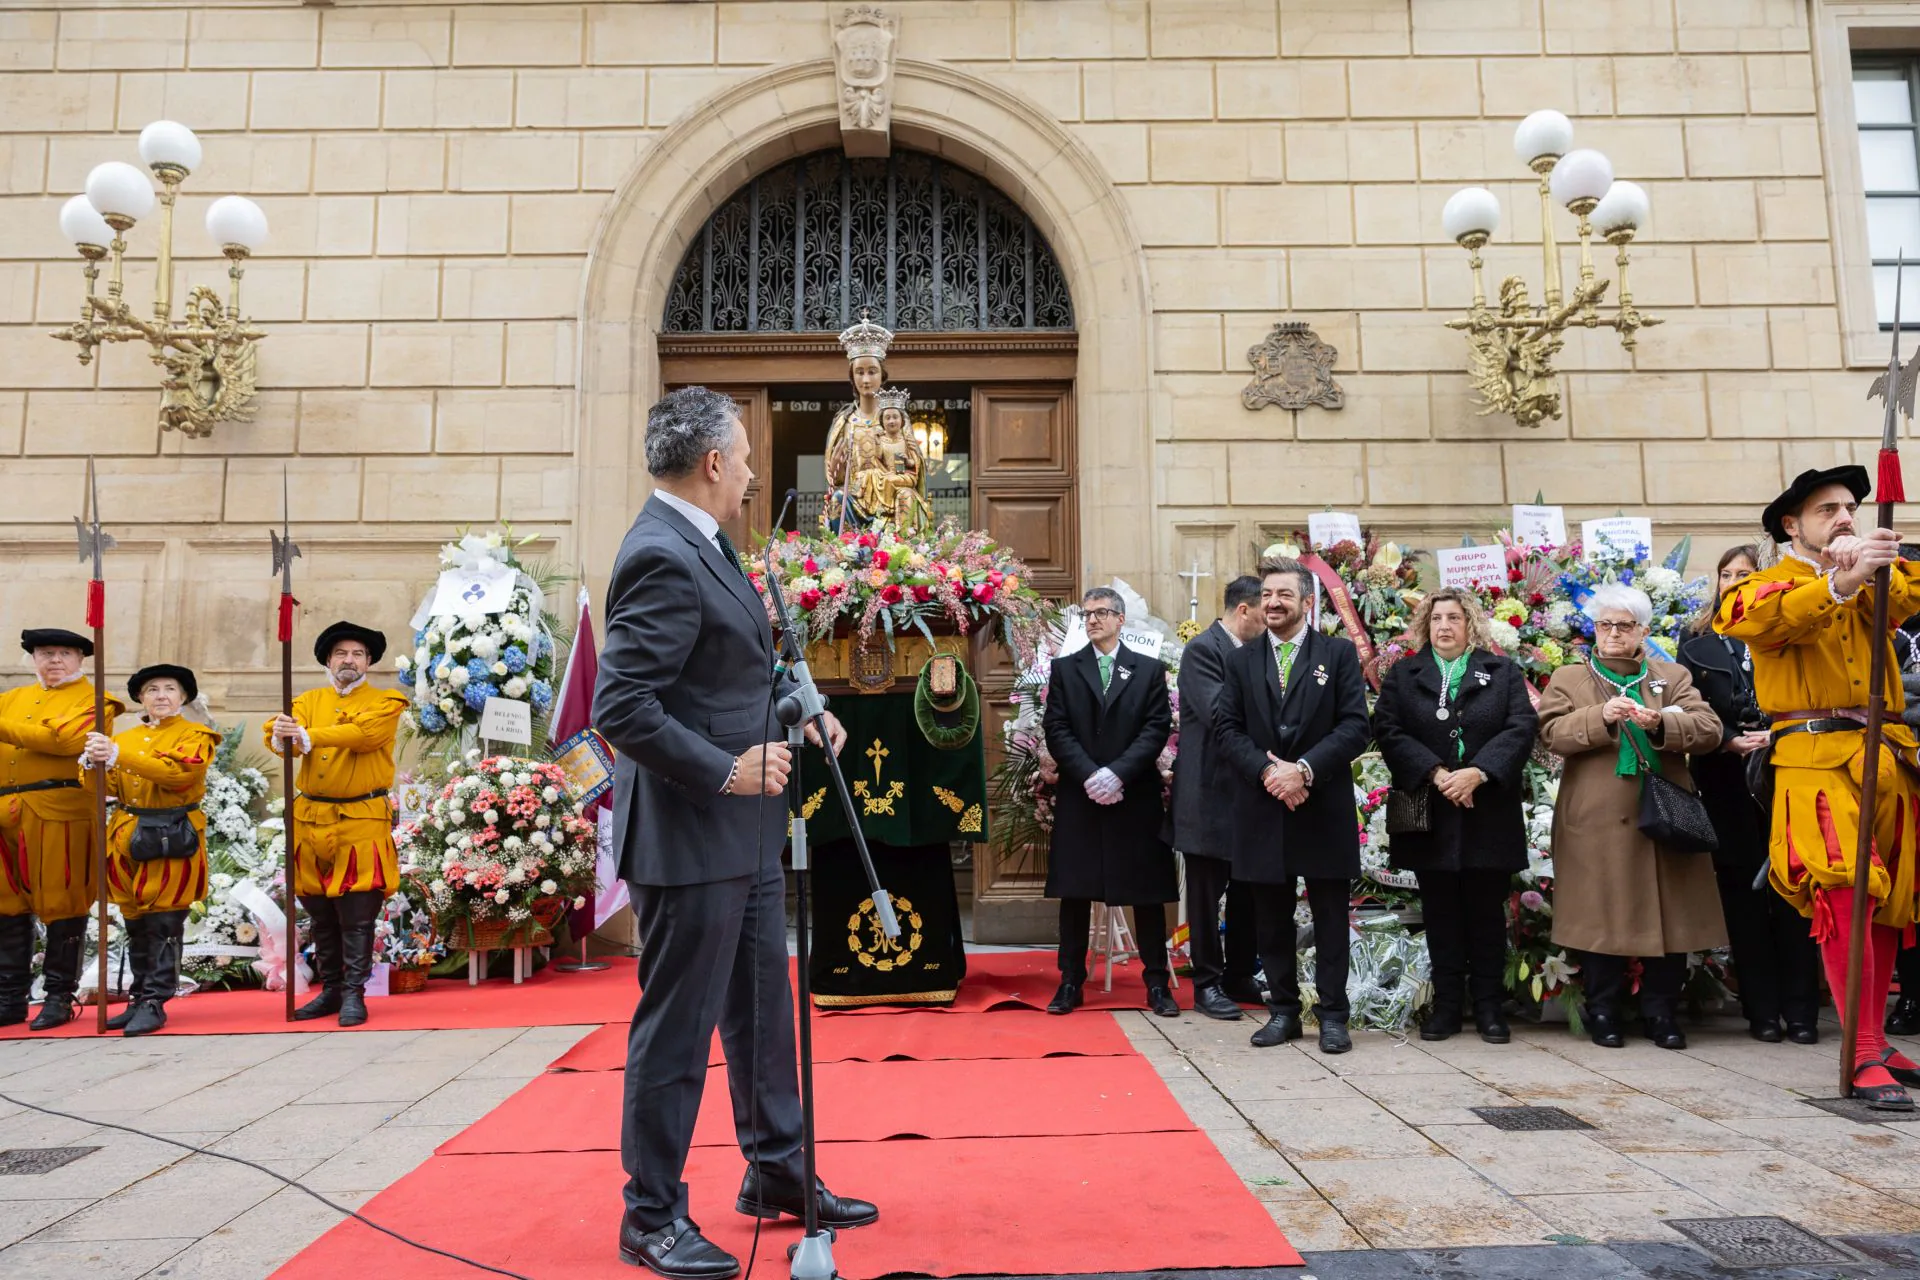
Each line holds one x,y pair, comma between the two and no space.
700,519
344,689
1299,632
1788,552
78,675
1237,641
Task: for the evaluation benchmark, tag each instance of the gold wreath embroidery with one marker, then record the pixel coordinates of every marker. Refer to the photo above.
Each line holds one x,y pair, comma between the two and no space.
970,821
871,804
949,799
811,804
874,949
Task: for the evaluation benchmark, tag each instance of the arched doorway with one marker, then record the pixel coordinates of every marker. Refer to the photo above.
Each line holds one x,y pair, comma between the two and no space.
1077,459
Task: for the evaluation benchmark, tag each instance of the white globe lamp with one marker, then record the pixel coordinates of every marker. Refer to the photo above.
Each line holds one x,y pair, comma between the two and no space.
170,150
1580,179
1471,216
121,193
1542,138
237,223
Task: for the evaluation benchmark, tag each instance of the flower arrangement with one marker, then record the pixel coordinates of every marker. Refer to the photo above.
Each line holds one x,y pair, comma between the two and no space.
879,580
459,660
403,935
244,846
502,842
1382,579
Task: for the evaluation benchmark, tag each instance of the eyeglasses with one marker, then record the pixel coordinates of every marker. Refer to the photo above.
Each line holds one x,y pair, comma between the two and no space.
1617,628
1105,613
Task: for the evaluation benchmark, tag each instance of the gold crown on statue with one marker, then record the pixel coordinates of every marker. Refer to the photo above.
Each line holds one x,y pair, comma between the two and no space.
892,398
865,339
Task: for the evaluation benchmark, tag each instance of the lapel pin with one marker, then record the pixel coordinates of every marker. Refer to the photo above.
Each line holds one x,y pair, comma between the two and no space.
1126,673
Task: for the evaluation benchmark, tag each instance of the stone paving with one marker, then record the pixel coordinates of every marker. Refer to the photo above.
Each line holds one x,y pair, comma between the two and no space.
1373,1163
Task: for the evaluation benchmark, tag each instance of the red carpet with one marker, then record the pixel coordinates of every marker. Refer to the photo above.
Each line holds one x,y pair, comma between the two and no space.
1010,1034
862,1102
547,999
993,1206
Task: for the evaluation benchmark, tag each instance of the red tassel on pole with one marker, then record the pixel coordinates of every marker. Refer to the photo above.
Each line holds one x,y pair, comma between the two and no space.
287,603
1890,488
96,603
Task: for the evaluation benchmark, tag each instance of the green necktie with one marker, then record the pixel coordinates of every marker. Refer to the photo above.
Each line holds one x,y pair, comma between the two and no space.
1106,670
726,549
1283,659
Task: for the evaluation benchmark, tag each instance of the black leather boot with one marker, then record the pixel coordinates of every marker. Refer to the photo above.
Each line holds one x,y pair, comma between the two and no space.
1441,1023
139,961
166,937
16,967
60,971
1491,1022
1905,1018
323,919
357,914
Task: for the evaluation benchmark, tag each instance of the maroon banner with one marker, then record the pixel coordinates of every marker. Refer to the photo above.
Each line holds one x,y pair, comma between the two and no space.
1349,615
287,602
96,603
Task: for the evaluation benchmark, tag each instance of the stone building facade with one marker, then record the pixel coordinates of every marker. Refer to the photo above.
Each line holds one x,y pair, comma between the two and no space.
478,209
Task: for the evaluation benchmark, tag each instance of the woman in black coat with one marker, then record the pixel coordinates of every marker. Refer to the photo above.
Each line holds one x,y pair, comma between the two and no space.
1455,719
1776,964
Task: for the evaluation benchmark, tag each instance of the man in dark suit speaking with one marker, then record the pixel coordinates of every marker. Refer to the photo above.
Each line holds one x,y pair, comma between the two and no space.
686,697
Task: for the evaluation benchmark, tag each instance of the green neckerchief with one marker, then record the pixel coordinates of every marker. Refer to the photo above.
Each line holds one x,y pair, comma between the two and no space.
1451,674
1635,746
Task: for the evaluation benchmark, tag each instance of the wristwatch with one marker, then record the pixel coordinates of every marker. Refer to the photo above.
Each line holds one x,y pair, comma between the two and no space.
1306,770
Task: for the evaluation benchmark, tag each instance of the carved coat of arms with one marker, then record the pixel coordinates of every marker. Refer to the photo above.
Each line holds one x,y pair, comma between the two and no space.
864,37
1293,368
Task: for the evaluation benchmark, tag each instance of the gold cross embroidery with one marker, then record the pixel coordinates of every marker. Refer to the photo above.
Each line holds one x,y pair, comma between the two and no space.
877,753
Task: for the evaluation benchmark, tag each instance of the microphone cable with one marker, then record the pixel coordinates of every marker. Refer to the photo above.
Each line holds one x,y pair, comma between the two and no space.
295,1183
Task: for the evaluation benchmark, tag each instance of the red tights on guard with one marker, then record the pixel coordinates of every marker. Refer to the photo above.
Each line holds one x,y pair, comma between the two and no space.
1876,979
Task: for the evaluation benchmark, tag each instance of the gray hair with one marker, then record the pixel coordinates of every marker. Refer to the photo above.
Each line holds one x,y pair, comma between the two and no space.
1109,596
1281,564
684,426
1609,596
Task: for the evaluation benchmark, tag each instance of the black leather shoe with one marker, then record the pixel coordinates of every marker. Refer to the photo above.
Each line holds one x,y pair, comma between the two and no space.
1803,1032
1765,1032
1666,1033
327,1002
1905,1075
1280,1028
1244,991
55,1011
1905,1018
1491,1023
1604,1029
353,1007
1216,1003
762,1198
1066,999
1334,1037
1161,1001
677,1249
1440,1024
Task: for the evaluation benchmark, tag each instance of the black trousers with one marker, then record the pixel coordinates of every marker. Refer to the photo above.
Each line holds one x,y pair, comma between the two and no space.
1776,961
1907,969
1213,964
1466,923
1661,978
1273,918
700,945
1149,936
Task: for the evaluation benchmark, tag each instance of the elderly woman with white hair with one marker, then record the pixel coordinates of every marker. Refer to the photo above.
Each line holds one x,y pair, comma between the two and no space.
1618,894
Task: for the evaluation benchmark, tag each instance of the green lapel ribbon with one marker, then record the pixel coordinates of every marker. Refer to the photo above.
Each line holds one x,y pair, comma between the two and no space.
1635,746
1451,674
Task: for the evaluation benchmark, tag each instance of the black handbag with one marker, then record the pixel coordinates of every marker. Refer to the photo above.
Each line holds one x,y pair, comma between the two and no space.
1670,815
1410,812
163,833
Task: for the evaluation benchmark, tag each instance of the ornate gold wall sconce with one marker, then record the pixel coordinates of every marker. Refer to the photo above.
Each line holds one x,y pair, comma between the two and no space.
1512,345
206,357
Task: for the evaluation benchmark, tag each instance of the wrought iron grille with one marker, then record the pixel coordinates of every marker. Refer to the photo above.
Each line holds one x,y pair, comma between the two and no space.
916,243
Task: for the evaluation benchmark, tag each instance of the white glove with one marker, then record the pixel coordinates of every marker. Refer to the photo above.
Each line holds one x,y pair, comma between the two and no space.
1104,787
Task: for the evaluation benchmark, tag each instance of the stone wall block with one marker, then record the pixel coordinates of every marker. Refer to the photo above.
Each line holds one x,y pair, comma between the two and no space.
258,164
1792,209
1696,84
1207,406
1517,86
1805,337
1122,150
1075,29
1733,338
315,355
1186,342
1684,473
1628,406
1476,26
517,161
23,166
1610,26
1703,212
1196,280
1269,473
1345,28
1780,84
555,223
272,431
959,30
79,101
1640,149
1054,86
121,40
1217,153
440,490
1435,474
650,34
583,99
540,353
428,224
13,415
1214,29
34,361
1193,475
1577,474
772,32
316,100
500,421
1356,279
1426,87
106,423
47,491
254,38
517,289
1289,214
1741,26
1148,91
1408,341
319,490
1735,275
1284,90
163,490
1764,148
28,39
410,36
448,100
364,422
1170,215
674,91
1352,152
517,35
1457,414
538,489
1389,406
443,354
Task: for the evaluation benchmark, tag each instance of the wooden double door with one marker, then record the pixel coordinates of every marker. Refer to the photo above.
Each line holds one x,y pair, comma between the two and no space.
1023,478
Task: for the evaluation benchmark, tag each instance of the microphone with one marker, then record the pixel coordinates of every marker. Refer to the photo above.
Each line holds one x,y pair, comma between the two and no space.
784,508
781,663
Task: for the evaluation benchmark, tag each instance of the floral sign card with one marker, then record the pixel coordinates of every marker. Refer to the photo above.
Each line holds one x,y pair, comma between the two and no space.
1472,567
1617,537
1539,526
1331,528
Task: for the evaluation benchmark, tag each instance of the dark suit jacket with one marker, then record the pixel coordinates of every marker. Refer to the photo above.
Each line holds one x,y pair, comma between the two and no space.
1203,791
1494,720
1109,852
1323,720
686,683
1720,675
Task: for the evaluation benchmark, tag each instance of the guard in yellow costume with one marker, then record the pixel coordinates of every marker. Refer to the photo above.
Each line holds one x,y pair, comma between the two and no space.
157,837
46,825
1808,622
345,865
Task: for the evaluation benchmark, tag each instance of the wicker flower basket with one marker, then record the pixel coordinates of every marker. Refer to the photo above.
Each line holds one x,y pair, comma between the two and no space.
497,935
406,979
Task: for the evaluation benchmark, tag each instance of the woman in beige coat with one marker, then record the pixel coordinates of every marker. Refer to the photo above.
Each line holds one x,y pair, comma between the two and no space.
1616,894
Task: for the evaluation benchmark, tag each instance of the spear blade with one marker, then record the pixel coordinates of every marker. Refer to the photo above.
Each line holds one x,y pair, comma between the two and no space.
285,549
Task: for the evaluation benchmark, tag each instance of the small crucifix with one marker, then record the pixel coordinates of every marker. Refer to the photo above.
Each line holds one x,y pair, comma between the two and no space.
1193,589
877,753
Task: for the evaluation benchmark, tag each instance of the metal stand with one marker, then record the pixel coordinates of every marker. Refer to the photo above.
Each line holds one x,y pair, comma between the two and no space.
812,1257
582,965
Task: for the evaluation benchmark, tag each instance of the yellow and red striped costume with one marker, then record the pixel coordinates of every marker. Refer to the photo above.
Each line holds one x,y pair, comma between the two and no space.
1812,651
161,766
345,848
46,837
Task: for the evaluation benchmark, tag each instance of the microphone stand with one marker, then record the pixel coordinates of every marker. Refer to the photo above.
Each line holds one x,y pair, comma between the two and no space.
800,706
